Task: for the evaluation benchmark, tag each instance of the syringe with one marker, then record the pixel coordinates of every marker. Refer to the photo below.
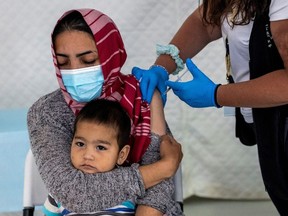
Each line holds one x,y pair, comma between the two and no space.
177,80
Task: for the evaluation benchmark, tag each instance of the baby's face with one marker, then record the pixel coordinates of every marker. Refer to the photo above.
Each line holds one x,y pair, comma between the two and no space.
94,147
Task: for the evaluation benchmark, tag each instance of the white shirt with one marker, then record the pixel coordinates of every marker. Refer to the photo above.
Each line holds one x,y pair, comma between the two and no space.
238,38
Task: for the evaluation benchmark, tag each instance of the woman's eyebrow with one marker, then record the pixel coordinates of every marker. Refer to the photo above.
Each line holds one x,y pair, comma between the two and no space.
62,55
84,53
77,55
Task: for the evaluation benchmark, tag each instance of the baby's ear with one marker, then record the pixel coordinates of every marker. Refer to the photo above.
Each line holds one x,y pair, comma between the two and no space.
123,154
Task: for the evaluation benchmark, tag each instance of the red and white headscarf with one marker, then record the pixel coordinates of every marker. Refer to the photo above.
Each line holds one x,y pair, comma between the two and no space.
117,86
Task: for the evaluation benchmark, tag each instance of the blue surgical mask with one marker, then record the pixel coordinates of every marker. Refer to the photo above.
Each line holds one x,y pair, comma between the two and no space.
84,84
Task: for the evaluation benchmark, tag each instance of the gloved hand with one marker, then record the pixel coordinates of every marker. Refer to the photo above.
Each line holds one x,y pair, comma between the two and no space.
150,79
199,92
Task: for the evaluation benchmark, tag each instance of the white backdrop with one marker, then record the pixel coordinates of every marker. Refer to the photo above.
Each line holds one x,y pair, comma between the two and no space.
215,164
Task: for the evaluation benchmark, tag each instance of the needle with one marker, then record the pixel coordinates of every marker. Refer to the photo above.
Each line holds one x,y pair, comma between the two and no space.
177,80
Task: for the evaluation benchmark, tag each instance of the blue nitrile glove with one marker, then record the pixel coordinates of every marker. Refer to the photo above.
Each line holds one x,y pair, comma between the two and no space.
150,79
199,92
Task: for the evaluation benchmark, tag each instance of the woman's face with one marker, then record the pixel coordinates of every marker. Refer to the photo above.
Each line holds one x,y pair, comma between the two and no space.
75,49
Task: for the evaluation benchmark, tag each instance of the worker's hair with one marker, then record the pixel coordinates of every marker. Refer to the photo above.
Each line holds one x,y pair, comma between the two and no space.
215,10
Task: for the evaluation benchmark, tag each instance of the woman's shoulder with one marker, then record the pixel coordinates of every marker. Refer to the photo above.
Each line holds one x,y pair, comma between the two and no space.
52,100
50,106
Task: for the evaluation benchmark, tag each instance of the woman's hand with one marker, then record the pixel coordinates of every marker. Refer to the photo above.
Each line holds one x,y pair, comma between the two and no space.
171,156
198,92
151,79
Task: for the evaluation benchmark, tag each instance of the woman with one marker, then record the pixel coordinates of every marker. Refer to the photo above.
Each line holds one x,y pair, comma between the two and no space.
88,54
256,39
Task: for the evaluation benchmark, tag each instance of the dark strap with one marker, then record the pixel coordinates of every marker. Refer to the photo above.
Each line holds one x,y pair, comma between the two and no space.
264,56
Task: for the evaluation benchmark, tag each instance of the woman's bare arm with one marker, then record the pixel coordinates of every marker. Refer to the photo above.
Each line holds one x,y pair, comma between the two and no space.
190,39
159,199
268,90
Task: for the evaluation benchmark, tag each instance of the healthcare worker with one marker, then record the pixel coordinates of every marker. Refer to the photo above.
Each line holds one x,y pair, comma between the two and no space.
256,39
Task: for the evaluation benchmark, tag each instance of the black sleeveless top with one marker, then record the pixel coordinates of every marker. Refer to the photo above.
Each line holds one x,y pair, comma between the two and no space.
269,122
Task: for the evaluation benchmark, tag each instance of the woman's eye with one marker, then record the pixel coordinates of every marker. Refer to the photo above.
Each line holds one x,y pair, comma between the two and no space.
101,148
62,64
62,61
89,61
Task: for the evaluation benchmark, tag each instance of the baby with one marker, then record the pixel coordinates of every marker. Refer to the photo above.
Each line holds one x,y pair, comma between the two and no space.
100,144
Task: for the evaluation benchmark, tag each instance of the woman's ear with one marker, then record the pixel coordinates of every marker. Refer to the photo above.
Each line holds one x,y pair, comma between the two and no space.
123,154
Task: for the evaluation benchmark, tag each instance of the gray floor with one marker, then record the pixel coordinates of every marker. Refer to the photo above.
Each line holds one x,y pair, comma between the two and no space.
213,207
217,207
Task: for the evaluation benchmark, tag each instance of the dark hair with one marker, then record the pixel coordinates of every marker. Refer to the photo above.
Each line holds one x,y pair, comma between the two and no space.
109,113
72,21
214,10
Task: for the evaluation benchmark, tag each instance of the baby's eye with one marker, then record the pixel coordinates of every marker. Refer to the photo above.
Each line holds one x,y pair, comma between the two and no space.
79,144
101,148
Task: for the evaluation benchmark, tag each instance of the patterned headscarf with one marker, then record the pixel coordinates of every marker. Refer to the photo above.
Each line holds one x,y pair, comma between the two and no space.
117,86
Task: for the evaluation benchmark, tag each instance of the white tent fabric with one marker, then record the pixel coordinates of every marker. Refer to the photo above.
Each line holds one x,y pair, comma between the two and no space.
215,164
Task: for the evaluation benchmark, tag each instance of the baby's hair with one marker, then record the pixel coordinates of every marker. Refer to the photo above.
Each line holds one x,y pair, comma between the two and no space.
108,113
71,22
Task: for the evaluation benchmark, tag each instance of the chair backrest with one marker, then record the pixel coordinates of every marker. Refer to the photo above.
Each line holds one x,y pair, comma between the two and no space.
34,193
178,195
